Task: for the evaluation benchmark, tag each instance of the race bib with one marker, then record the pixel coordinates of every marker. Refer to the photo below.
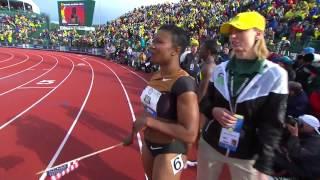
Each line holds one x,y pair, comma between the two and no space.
177,164
149,99
229,137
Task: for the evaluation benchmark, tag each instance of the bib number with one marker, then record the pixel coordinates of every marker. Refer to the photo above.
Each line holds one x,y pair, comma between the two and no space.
149,99
177,164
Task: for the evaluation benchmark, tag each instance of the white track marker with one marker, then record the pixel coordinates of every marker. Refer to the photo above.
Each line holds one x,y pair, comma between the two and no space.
83,157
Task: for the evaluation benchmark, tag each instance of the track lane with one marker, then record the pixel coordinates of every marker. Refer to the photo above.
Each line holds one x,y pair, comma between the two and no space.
49,121
10,73
4,54
36,135
15,82
135,81
22,100
11,65
106,119
17,57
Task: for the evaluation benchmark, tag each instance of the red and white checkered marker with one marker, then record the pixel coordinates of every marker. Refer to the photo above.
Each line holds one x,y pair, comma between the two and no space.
62,170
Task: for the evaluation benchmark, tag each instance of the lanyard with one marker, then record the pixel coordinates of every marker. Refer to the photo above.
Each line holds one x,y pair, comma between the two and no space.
234,96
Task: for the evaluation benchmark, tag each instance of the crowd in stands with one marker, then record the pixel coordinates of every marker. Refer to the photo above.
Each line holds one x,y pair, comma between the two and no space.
287,20
19,28
291,25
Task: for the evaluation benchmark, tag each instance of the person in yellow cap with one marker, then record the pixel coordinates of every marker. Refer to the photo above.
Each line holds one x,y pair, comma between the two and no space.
191,61
245,105
194,42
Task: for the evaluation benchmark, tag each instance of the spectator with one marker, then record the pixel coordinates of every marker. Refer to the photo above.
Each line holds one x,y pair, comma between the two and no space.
287,64
191,61
298,101
308,74
301,157
298,63
208,53
308,50
184,54
245,104
224,56
283,47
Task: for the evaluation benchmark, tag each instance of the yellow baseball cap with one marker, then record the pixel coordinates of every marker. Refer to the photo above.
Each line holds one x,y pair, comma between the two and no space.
244,21
194,42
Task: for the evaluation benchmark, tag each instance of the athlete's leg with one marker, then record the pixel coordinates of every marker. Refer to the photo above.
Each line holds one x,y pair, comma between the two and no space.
164,170
147,160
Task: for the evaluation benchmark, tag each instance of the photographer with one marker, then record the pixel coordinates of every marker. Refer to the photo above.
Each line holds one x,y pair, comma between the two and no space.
301,154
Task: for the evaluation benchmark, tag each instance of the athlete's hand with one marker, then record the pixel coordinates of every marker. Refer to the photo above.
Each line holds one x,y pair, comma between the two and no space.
128,140
224,117
139,124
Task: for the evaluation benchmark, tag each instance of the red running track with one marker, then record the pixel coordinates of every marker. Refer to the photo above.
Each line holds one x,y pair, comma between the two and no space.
57,107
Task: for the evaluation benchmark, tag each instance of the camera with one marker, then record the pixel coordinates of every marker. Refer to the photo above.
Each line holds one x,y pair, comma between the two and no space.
286,134
293,121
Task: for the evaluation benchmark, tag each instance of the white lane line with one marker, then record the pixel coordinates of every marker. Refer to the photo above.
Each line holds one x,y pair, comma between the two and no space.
1,94
142,78
129,104
37,102
16,63
35,87
56,155
8,59
128,101
4,77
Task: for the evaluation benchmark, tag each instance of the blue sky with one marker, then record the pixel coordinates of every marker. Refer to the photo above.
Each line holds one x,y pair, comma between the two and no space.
105,10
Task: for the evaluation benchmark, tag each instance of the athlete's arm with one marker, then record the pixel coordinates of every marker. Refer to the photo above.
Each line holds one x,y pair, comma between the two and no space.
203,86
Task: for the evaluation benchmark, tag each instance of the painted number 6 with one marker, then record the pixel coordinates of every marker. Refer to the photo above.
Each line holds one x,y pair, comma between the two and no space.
177,164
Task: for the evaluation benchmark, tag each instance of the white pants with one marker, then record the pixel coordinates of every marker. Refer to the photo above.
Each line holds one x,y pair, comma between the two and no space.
211,162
